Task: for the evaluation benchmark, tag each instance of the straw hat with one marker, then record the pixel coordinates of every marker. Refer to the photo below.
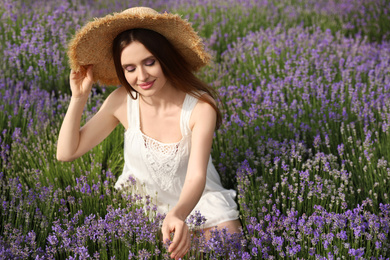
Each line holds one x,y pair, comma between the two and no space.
92,44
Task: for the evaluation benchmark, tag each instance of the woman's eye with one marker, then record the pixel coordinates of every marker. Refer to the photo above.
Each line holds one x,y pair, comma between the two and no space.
150,62
129,68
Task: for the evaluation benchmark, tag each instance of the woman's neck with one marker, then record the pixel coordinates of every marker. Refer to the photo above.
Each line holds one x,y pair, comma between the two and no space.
167,96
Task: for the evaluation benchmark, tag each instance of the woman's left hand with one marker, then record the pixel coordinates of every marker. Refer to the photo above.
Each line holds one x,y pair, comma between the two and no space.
181,239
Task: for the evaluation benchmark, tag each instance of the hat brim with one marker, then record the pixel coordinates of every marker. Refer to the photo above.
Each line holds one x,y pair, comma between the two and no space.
92,44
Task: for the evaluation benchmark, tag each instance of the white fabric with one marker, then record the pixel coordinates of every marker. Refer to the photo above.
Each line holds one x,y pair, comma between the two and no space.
160,169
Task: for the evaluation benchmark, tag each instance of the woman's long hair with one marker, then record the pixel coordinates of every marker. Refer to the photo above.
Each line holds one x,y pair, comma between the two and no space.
173,65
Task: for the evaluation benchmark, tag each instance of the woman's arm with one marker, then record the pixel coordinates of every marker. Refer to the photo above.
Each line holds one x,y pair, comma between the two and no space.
204,118
73,142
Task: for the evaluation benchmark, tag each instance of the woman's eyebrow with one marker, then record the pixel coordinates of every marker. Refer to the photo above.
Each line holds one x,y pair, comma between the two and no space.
131,64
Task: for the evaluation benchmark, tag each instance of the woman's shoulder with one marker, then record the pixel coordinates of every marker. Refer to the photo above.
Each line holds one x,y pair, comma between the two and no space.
203,100
116,98
119,94
207,97
203,106
203,110
201,96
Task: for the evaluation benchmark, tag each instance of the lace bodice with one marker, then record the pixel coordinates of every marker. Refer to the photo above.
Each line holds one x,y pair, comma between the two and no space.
162,160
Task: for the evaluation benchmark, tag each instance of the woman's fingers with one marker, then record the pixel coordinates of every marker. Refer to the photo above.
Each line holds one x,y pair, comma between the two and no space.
81,81
181,242
183,248
89,72
181,239
166,233
177,238
89,75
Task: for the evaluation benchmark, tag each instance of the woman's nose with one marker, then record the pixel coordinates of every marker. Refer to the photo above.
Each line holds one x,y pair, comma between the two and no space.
142,74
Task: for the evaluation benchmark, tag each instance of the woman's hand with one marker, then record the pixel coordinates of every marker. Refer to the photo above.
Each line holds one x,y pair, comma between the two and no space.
81,82
181,239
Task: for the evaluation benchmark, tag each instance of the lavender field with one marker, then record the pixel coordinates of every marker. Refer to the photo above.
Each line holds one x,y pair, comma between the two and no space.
304,88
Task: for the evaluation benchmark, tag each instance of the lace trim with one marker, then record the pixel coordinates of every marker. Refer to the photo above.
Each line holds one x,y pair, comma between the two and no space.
162,160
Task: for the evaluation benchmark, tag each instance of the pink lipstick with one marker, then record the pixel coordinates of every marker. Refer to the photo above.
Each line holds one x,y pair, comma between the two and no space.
146,85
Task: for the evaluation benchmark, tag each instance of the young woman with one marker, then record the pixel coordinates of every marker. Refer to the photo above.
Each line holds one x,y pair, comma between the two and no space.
168,113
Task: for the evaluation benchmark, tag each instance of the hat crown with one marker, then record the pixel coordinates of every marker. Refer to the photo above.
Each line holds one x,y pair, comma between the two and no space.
140,10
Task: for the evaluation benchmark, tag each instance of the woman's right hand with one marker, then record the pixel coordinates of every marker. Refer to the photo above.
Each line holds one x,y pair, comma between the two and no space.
81,82
181,240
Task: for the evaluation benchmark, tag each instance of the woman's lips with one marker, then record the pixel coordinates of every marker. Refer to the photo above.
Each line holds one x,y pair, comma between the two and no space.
146,85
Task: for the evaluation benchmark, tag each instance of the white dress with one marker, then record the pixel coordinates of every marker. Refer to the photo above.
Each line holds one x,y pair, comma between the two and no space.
160,169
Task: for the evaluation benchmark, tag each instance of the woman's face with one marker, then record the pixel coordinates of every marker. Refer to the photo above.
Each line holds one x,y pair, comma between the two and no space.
142,70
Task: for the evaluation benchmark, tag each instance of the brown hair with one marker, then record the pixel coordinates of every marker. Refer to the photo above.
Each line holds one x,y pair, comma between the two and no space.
173,65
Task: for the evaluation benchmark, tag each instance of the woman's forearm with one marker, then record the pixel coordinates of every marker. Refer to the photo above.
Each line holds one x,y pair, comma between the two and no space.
190,195
69,136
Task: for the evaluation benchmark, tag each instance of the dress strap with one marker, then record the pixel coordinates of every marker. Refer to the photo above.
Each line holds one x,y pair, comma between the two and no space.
132,112
188,106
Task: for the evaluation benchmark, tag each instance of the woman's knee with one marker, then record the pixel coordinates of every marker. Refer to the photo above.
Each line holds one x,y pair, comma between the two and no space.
232,226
